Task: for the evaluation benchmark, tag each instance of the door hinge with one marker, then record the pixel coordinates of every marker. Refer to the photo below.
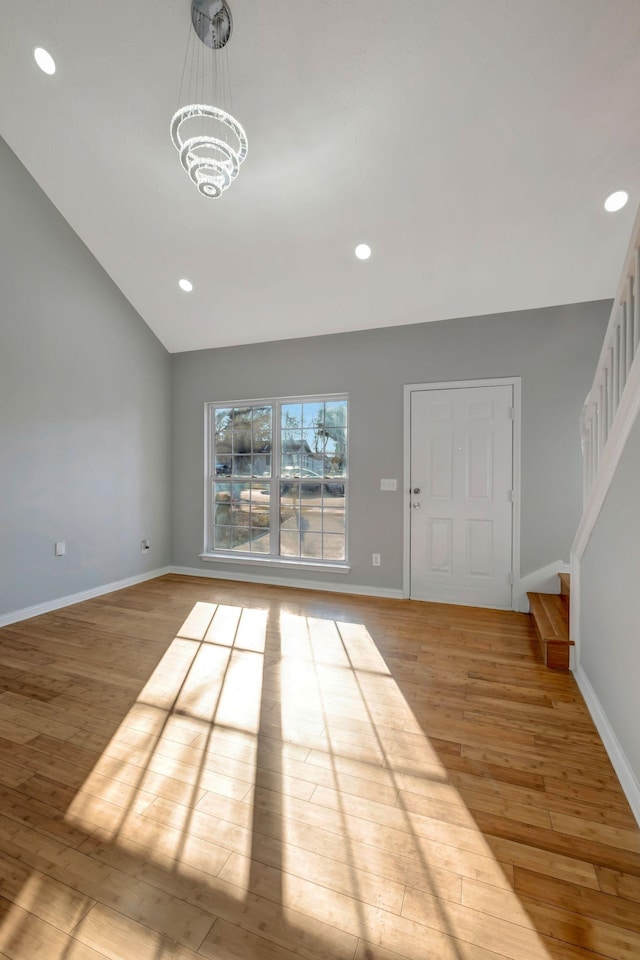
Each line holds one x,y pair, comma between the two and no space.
510,579
511,496
512,413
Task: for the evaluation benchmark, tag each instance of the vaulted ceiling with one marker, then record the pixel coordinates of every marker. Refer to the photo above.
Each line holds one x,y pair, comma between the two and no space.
471,144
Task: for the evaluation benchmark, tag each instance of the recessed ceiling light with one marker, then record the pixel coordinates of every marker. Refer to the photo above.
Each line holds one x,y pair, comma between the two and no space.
44,60
616,201
185,285
363,251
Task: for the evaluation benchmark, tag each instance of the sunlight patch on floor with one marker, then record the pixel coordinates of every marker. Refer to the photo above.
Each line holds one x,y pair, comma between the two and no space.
191,735
279,759
336,682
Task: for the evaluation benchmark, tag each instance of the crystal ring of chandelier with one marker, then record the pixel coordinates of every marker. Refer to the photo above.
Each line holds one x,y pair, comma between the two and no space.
211,162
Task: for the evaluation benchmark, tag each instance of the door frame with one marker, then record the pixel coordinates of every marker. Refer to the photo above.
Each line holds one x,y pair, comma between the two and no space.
409,388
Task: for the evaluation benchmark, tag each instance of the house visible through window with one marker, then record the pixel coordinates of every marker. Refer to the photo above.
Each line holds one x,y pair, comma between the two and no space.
278,479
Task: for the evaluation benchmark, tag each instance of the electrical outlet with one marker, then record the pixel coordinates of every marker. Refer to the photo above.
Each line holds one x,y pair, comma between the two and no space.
375,559
145,546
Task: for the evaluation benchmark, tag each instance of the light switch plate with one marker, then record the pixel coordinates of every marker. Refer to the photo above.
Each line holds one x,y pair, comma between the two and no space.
60,548
388,484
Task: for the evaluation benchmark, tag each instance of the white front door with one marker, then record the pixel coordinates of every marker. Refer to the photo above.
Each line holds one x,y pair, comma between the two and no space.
461,525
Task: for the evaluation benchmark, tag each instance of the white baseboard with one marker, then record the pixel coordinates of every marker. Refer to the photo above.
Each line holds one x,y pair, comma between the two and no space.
27,612
388,593
621,765
544,580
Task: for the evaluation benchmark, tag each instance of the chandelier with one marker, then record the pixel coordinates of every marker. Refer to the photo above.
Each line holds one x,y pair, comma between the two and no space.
211,143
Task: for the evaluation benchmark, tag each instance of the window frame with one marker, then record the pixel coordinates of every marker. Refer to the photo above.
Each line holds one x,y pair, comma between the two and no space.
209,553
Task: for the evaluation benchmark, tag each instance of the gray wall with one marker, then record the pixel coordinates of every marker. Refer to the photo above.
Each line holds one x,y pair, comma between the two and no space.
610,604
84,411
554,351
86,415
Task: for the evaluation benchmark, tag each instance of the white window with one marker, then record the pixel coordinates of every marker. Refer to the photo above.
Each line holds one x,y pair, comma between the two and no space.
277,480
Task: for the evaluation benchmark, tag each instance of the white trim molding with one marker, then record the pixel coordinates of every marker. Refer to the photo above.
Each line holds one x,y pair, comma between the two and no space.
388,593
39,608
257,560
409,388
621,765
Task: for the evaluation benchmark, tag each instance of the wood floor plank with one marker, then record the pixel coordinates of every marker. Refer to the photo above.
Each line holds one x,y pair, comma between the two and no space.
122,938
204,769
226,941
462,811
594,851
619,884
56,903
601,833
555,922
611,909
24,936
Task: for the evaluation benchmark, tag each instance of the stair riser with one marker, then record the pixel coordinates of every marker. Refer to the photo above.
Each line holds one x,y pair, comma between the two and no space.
557,655
550,616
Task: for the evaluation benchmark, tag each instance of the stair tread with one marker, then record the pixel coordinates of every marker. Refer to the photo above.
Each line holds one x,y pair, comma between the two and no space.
550,617
565,583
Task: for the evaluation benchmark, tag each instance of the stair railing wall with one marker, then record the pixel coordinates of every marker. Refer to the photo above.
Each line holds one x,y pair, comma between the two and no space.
619,351
610,413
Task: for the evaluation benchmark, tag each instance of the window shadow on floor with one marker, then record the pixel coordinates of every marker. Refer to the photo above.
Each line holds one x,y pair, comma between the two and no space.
230,771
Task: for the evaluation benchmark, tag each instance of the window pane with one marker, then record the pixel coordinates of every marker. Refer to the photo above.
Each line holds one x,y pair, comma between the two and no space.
310,491
291,465
313,443
223,427
223,466
311,545
311,517
240,508
260,509
289,543
222,503
291,446
291,416
241,539
289,506
313,414
242,429
333,547
241,465
333,512
335,490
335,414
260,544
222,538
260,493
336,451
261,429
261,465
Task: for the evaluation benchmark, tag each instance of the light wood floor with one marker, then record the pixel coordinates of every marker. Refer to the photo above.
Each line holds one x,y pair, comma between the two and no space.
200,769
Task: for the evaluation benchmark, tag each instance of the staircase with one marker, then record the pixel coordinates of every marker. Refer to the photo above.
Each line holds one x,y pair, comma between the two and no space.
550,614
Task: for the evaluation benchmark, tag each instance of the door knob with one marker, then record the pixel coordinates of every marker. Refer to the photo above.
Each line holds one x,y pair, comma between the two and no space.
416,505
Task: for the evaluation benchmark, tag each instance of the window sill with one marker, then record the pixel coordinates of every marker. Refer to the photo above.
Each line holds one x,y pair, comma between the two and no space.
324,565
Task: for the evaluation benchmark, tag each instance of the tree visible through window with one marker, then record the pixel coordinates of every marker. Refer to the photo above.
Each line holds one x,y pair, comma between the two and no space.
278,479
